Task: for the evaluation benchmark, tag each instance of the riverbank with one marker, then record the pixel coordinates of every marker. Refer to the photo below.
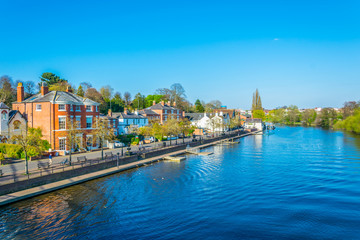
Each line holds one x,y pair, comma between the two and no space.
35,191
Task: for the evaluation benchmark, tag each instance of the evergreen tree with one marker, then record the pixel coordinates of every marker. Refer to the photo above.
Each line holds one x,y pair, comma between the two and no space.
256,103
80,91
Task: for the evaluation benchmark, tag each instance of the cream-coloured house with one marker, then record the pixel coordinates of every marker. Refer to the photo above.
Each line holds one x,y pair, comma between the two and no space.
12,122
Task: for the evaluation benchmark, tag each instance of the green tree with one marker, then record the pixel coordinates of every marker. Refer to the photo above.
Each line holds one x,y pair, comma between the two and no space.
139,101
256,103
51,79
199,107
103,133
258,114
309,117
30,142
7,91
80,91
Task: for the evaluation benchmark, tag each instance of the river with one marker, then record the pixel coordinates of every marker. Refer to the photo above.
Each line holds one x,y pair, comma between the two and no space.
299,183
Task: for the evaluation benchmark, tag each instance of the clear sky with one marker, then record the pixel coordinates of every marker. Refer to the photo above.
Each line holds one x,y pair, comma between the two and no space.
305,53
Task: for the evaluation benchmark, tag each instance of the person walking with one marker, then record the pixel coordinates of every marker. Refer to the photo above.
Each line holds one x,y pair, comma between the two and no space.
50,159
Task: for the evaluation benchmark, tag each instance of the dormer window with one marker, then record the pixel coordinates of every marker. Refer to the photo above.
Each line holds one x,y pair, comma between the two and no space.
88,108
61,107
38,107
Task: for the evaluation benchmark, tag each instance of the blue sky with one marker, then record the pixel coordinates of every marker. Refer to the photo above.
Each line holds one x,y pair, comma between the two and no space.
305,53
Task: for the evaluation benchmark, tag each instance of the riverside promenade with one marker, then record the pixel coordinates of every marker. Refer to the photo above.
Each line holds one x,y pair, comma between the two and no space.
45,188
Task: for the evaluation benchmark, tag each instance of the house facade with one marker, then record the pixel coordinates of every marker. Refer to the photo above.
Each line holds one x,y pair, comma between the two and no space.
166,111
254,123
209,122
12,122
52,111
128,122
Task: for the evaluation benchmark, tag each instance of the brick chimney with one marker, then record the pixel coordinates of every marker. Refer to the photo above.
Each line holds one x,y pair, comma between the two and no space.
169,103
109,113
126,111
44,89
68,89
162,103
154,102
20,92
174,104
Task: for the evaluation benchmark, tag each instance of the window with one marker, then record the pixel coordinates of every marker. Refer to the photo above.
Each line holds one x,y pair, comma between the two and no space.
38,107
165,118
62,122
88,108
71,107
78,121
89,121
4,115
178,117
165,111
77,108
61,107
114,123
97,108
17,125
62,144
172,111
109,124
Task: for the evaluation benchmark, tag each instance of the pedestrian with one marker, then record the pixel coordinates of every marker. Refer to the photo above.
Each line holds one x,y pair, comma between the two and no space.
50,159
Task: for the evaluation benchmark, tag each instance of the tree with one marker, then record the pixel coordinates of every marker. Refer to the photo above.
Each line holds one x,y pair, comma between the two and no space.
185,127
50,79
199,107
59,86
293,115
309,117
94,95
258,114
102,132
176,93
351,123
80,91
30,142
118,103
30,88
127,98
7,92
106,92
73,140
151,98
139,101
349,108
326,118
256,104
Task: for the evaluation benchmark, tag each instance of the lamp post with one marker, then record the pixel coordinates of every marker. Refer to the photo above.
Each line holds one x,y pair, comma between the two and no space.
118,159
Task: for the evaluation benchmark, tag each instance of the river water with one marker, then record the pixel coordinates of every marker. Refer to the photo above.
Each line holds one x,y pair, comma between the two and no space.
299,183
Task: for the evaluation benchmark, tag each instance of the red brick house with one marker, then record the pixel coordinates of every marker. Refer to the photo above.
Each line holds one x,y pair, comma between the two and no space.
50,111
165,111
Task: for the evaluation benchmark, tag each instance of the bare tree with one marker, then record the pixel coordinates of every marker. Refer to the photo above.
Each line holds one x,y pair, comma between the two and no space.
127,98
72,136
103,133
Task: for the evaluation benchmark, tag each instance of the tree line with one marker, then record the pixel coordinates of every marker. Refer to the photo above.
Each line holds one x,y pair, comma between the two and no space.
106,96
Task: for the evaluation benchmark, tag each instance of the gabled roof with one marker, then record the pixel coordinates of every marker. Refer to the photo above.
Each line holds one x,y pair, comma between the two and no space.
60,97
12,114
194,116
122,115
159,106
3,106
148,112
253,120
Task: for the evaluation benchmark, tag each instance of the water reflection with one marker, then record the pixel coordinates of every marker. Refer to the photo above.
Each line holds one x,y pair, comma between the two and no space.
281,186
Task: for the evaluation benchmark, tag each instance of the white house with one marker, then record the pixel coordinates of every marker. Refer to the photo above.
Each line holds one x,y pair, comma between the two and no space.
209,122
128,120
254,123
12,122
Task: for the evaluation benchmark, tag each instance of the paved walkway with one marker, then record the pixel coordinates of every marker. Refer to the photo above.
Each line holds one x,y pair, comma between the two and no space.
19,167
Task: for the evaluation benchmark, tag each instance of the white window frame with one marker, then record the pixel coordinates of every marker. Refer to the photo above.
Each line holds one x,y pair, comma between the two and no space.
38,107
78,121
89,117
62,105
86,107
64,145
77,108
97,108
60,117
71,107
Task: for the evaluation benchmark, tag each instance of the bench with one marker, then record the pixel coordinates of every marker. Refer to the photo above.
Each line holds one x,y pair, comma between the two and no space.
43,165
110,155
1,173
64,162
81,159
